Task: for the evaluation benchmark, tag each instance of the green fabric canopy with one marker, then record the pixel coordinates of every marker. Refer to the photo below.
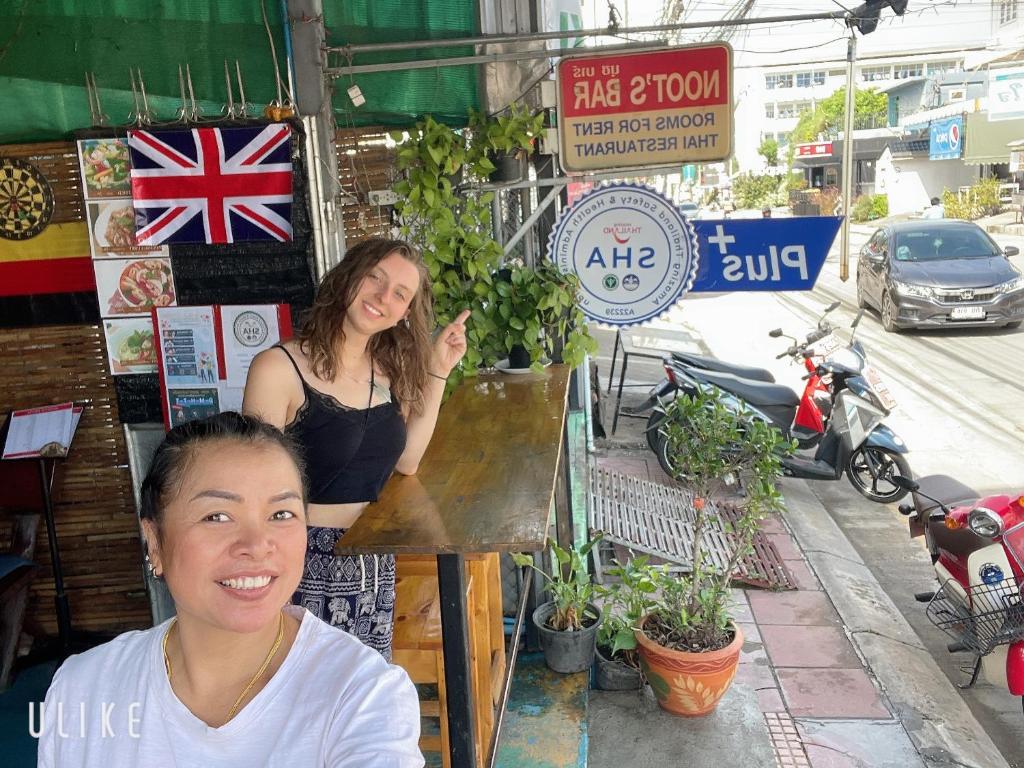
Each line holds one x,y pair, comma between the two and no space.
47,46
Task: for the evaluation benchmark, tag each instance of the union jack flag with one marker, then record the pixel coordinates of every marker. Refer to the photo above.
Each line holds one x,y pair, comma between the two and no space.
212,185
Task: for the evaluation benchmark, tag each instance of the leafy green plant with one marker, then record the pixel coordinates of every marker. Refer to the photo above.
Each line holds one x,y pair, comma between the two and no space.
869,208
511,132
624,603
755,191
570,587
534,308
453,229
711,445
769,150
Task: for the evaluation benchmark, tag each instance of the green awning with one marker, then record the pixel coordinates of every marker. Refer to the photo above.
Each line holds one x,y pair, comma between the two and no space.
985,140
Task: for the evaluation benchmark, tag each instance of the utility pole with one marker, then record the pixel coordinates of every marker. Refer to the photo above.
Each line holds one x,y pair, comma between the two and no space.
847,167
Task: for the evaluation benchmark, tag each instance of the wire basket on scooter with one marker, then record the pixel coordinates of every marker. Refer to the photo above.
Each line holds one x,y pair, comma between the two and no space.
991,615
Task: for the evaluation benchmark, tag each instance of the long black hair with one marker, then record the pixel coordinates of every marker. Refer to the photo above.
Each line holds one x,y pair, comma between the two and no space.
172,458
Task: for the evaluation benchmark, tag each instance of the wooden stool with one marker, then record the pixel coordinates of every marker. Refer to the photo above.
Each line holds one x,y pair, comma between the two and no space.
416,647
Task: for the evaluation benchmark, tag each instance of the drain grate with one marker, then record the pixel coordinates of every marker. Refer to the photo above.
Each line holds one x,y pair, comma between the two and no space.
786,741
655,519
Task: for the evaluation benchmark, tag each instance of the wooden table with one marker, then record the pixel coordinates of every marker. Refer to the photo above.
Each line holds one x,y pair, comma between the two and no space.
485,484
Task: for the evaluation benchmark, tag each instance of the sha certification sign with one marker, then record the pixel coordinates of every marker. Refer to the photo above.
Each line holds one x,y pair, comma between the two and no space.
634,252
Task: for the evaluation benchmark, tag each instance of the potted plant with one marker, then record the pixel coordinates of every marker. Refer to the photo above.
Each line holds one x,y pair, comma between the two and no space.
567,623
624,603
535,313
507,139
689,644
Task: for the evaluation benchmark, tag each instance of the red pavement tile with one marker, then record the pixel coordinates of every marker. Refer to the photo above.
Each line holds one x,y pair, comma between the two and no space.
805,608
770,700
635,467
773,525
823,757
802,575
830,693
756,675
785,546
808,647
750,631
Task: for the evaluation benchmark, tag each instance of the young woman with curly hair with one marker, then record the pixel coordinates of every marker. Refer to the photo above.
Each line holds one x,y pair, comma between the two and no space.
359,390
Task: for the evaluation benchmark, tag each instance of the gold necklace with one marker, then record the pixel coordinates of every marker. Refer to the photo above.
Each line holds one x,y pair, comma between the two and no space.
259,673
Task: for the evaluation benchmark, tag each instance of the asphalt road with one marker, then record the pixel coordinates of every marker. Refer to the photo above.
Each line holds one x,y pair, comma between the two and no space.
961,412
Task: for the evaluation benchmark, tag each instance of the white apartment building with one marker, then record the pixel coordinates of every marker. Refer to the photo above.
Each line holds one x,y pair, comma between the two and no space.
774,97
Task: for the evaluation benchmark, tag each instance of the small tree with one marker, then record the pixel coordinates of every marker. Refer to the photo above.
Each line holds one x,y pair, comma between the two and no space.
871,108
711,444
769,150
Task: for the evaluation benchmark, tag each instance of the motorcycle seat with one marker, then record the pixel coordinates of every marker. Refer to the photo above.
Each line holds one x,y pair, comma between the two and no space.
713,364
754,392
948,490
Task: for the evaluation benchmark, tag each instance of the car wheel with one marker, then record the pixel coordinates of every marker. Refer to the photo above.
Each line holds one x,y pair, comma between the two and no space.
889,312
862,301
1014,324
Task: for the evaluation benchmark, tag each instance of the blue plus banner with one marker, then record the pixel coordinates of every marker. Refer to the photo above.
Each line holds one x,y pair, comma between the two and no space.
762,254
945,138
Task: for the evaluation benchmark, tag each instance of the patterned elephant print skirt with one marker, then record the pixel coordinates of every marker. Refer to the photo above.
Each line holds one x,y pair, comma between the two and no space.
355,593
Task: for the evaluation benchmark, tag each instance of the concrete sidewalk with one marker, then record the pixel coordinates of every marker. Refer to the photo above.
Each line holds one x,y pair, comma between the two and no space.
831,675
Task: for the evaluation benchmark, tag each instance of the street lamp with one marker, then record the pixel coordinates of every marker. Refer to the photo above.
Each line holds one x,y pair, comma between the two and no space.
864,19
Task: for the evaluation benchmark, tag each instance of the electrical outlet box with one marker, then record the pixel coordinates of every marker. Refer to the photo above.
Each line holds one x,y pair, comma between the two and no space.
549,142
548,94
383,197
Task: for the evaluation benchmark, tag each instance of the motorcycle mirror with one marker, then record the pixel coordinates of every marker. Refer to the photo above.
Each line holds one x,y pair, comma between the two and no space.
832,307
905,483
775,333
856,320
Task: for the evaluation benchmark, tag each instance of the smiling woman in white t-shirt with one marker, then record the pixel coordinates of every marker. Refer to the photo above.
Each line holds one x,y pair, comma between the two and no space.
237,678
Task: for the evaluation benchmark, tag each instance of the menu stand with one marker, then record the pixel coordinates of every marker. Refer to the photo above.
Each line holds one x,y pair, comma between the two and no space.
46,458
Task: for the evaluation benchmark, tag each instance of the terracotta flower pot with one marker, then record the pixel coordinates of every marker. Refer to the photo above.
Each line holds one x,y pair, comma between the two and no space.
688,684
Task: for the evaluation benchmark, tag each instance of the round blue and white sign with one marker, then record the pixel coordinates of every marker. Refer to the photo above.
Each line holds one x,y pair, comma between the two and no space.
635,253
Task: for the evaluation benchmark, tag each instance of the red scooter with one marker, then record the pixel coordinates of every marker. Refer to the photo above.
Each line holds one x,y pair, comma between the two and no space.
977,546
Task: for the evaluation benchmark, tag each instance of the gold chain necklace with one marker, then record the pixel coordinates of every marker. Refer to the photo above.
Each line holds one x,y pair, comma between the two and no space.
259,673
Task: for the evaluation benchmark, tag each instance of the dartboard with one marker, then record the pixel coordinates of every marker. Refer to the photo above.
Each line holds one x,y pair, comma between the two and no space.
26,200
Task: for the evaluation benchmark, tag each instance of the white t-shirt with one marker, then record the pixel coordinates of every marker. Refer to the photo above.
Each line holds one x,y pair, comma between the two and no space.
333,702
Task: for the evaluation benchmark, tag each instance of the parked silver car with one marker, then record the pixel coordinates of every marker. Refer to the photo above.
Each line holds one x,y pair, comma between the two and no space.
939,273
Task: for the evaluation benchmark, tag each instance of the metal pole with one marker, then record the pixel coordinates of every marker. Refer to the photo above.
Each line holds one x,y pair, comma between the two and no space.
490,58
352,50
847,169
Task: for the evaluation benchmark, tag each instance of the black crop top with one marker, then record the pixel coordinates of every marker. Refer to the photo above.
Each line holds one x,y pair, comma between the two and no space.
350,452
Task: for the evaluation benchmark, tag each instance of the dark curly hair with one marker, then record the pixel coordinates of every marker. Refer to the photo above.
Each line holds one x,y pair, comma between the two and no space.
175,454
402,352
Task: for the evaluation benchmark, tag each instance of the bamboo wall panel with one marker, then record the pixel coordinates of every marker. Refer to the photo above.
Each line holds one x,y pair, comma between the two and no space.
58,162
95,512
365,163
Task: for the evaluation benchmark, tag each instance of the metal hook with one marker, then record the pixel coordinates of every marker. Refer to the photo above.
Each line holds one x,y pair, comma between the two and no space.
145,99
191,93
90,82
135,116
93,116
182,113
229,108
243,104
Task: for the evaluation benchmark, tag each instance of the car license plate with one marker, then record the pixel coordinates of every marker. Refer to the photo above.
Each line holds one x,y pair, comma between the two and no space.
967,313
879,387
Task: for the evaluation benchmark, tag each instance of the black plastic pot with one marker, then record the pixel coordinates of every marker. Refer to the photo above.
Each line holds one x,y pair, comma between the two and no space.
566,652
518,357
507,166
614,675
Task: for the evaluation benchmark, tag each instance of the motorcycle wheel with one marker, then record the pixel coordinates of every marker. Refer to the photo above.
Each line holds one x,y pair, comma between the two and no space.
869,470
654,438
661,451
